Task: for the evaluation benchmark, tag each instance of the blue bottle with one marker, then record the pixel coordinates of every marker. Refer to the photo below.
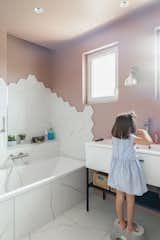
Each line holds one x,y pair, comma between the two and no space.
51,134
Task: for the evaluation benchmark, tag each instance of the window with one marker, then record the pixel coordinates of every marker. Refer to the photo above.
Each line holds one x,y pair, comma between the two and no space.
101,74
157,69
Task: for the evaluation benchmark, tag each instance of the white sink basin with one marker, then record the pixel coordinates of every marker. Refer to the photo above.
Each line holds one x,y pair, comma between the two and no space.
152,147
149,149
98,157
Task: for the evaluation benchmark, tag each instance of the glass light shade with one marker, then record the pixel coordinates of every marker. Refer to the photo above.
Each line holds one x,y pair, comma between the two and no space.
130,81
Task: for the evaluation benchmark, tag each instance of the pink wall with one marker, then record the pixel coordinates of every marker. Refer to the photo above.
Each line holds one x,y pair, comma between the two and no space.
136,47
25,58
3,54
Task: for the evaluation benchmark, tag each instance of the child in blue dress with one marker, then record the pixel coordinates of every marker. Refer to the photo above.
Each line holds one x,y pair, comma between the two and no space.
126,174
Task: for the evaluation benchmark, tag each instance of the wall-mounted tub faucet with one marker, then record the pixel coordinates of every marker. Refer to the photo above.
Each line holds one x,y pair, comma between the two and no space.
20,155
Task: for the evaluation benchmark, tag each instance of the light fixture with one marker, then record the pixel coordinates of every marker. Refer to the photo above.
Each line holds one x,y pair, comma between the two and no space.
124,3
131,80
38,10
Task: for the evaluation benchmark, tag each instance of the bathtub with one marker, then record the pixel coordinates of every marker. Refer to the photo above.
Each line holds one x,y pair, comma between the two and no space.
37,189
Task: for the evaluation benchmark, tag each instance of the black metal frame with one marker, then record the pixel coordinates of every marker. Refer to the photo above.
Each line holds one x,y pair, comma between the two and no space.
87,189
91,185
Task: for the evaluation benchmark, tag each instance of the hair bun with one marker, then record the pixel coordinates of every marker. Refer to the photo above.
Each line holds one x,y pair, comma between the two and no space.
132,114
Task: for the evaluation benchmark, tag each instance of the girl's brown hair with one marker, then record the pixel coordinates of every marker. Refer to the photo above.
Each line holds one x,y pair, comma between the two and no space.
124,125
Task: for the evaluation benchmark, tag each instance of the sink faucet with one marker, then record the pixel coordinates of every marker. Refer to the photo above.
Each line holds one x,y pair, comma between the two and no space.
147,127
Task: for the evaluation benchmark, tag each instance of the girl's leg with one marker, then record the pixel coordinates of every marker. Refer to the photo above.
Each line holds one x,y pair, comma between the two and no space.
130,212
120,209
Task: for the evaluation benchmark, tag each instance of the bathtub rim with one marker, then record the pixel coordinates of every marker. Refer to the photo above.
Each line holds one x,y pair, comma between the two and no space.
12,194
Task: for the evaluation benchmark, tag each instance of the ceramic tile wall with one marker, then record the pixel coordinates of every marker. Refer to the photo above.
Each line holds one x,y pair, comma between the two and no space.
28,107
67,191
32,108
7,220
31,210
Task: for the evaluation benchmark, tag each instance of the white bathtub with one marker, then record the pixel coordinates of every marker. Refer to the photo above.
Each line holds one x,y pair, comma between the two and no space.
38,191
34,174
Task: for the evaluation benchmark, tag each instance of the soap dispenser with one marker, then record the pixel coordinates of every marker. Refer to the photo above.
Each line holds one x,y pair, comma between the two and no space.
51,135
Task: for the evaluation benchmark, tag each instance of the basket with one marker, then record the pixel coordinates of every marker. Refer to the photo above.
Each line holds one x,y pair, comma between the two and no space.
100,180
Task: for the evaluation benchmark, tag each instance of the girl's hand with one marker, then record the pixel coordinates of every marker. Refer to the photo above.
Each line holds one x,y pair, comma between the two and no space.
142,137
141,132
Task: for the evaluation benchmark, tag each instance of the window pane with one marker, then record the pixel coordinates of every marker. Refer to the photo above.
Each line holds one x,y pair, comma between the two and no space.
103,75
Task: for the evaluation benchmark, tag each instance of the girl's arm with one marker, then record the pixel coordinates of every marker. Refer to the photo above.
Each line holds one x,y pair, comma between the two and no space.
142,137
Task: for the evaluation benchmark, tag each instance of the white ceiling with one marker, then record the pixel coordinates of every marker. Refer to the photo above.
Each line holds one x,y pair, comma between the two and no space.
62,19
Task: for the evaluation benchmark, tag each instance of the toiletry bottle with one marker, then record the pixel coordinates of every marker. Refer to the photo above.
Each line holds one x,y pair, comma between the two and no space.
156,137
51,134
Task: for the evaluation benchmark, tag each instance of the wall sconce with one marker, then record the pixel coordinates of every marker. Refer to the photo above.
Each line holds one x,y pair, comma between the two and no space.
131,80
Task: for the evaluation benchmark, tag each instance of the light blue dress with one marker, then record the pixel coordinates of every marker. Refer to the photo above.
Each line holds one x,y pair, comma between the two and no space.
126,173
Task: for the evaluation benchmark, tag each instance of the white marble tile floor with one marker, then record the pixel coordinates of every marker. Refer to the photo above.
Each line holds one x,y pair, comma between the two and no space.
77,224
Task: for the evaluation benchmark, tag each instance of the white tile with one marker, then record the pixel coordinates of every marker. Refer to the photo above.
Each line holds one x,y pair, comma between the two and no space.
32,108
76,179
63,220
6,220
96,225
106,237
75,130
59,221
69,233
100,216
68,191
32,210
26,238
94,219
28,107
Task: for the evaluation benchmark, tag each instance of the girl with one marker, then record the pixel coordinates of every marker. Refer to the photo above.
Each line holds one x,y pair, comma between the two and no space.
126,174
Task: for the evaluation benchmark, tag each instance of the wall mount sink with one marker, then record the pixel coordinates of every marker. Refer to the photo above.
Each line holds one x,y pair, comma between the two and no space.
98,156
149,149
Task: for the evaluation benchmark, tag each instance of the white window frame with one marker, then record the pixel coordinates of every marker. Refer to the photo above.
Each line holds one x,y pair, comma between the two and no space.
157,63
86,60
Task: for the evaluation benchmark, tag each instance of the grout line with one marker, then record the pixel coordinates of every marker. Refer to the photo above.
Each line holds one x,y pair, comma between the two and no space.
51,202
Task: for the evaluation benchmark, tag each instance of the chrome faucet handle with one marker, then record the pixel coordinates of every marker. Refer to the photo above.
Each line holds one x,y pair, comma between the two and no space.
22,155
18,156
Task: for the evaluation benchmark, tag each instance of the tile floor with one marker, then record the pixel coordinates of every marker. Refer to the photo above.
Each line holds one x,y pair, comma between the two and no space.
77,224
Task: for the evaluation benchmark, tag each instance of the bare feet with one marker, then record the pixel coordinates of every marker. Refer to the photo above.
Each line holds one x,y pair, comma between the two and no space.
132,227
122,224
